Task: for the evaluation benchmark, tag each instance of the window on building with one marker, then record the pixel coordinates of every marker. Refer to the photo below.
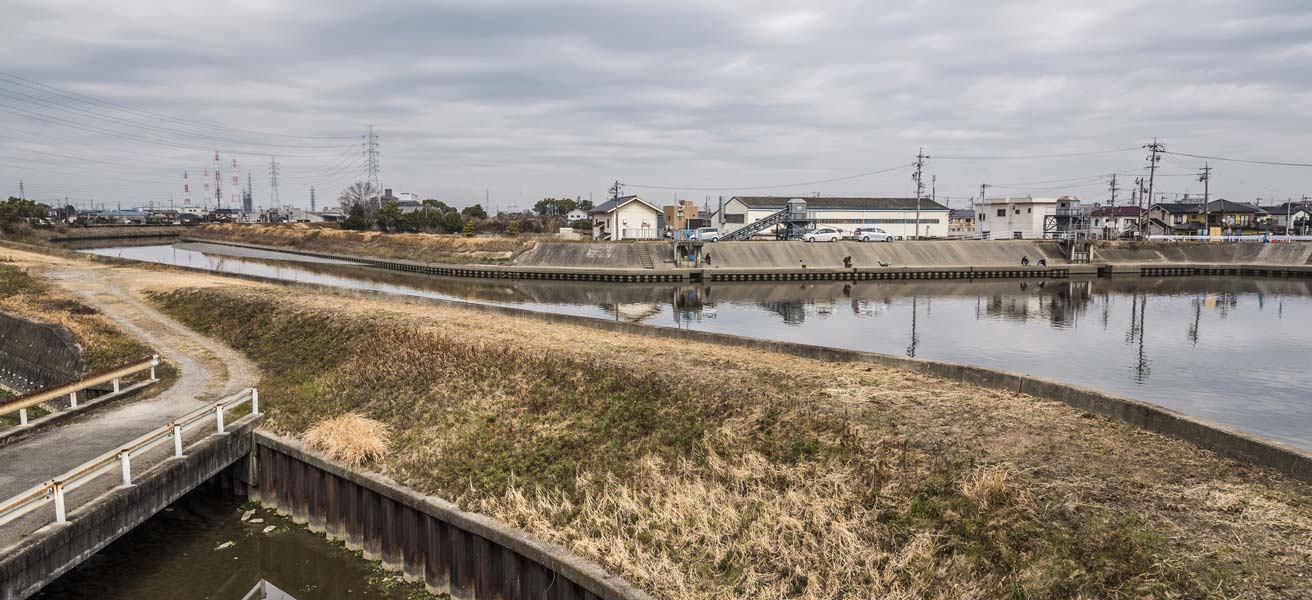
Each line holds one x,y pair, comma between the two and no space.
732,218
1017,211
1002,212
1029,211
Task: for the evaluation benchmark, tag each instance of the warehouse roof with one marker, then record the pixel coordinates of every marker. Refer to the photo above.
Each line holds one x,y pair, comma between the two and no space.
841,203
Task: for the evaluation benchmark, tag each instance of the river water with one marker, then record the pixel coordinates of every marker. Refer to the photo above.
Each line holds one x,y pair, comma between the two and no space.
1232,350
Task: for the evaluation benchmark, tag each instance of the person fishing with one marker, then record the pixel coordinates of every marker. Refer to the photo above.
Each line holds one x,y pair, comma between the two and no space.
707,257
1025,261
847,262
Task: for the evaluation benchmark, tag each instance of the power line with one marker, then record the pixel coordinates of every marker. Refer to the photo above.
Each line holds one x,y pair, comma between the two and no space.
766,187
1034,156
28,83
1241,160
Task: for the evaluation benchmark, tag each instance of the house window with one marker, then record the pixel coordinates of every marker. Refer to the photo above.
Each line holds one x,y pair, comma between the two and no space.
1029,211
1002,212
732,218
1018,211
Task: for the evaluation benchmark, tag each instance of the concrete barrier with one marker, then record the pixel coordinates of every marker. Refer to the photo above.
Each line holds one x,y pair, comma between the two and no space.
35,355
466,555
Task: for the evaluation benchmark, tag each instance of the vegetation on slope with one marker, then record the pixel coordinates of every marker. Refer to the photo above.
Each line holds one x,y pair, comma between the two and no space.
698,471
424,247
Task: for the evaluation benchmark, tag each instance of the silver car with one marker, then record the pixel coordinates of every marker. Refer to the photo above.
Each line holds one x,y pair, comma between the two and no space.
705,234
871,234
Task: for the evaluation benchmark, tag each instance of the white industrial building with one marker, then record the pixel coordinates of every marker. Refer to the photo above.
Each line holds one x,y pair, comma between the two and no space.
625,218
897,216
1025,217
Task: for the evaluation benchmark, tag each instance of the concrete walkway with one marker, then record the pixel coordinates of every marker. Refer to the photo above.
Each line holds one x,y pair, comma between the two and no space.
208,371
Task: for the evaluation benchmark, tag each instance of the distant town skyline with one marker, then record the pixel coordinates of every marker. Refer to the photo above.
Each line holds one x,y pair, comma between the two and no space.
515,101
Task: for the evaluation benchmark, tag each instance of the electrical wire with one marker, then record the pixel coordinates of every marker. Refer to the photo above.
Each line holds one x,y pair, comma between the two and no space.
1241,160
766,187
1031,156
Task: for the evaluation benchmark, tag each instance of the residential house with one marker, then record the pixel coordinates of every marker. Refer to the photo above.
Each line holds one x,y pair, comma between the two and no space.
1113,222
1222,217
961,222
625,218
1299,214
577,214
897,216
1027,217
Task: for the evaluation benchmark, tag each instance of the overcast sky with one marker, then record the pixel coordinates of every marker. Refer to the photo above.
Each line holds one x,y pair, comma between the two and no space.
524,100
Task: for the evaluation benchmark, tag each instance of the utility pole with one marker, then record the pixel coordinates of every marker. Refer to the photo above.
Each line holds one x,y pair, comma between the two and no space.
1113,188
616,190
1205,175
1154,157
1143,223
918,176
274,201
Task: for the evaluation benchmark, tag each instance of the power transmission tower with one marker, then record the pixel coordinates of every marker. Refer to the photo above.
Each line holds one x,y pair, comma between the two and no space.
22,193
371,161
218,182
918,176
274,201
1155,149
1205,175
312,209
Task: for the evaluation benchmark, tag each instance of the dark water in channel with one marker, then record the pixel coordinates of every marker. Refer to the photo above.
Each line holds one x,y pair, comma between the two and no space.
1232,350
200,549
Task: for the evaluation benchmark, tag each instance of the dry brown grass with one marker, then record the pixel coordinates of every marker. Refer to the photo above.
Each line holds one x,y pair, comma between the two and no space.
428,247
832,481
350,438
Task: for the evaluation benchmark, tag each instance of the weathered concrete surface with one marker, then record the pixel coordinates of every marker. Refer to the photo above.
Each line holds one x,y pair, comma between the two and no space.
1291,254
429,539
36,355
208,371
54,549
795,254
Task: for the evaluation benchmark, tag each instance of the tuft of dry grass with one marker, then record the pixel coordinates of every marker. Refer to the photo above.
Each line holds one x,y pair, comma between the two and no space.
987,486
350,438
428,247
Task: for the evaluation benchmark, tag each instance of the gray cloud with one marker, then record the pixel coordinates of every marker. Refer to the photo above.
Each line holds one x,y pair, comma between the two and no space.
529,99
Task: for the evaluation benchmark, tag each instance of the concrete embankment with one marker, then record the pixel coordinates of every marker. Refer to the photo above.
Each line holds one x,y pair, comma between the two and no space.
36,355
580,262
1152,259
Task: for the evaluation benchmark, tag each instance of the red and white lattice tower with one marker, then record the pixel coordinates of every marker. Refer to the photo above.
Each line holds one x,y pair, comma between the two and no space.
218,181
205,197
236,186
186,190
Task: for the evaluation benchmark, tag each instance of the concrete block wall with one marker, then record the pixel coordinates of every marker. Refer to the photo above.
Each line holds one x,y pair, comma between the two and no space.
35,355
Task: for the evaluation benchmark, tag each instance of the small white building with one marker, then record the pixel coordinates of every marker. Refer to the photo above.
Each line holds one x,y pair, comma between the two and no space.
625,218
577,214
897,216
1021,217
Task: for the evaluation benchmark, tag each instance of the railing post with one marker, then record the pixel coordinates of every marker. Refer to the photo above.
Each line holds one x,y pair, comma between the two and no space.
255,401
72,399
60,516
154,362
116,386
177,440
22,416
125,457
218,411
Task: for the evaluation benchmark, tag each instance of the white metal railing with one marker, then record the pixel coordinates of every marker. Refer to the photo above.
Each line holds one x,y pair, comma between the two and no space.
1235,238
112,376
56,489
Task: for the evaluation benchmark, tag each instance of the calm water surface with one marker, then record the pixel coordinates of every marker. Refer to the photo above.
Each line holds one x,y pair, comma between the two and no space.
1230,350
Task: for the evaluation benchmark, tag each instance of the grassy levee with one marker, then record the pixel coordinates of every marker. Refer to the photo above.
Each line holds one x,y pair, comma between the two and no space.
434,248
703,471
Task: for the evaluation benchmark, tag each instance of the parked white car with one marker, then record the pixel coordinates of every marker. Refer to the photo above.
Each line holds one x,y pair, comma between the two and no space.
706,234
823,234
871,234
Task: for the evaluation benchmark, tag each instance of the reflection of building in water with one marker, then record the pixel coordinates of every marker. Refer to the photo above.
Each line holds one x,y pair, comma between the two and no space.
634,312
266,591
691,304
1060,303
795,313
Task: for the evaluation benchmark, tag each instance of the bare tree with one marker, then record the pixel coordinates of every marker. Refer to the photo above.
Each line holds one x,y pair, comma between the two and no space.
359,193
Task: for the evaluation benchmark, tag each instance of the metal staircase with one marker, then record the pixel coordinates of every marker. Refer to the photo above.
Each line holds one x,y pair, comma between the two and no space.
752,229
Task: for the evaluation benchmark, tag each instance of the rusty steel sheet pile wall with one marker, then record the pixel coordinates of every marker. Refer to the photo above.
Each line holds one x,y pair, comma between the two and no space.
463,554
36,355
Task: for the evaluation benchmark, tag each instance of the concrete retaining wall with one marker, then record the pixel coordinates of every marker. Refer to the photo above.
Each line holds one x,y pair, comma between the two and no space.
1239,253
35,355
428,539
54,549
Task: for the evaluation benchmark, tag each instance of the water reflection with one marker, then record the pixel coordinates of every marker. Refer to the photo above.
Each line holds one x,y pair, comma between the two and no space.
1180,342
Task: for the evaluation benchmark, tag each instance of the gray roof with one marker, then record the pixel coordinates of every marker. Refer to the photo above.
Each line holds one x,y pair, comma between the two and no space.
610,205
841,203
961,213
1213,206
